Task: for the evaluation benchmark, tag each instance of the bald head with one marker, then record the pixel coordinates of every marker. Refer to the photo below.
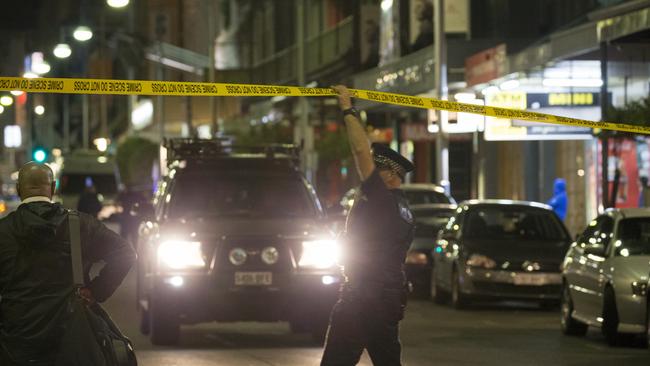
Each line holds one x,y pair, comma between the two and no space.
35,179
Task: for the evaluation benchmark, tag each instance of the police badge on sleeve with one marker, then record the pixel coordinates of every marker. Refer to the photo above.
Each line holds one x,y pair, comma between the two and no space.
405,212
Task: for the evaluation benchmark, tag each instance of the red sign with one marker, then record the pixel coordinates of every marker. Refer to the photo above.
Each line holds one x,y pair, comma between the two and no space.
485,66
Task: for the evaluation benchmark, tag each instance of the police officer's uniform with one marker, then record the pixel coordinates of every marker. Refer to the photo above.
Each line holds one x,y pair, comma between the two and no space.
379,231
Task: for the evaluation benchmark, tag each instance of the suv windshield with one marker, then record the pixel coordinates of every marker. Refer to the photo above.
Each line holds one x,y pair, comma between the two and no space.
633,237
512,224
422,196
209,194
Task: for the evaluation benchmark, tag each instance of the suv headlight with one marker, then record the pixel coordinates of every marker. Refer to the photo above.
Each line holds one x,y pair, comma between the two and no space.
180,254
481,261
320,254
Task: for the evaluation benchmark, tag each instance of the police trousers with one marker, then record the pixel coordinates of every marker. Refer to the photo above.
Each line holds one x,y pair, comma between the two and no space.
365,318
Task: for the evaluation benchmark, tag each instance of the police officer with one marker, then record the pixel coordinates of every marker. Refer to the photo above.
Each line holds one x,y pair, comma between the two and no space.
379,230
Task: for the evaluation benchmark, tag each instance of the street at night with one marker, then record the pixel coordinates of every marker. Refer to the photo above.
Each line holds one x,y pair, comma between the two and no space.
325,182
487,334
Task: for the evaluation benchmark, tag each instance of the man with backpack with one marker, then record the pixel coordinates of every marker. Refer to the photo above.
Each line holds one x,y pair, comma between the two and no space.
36,281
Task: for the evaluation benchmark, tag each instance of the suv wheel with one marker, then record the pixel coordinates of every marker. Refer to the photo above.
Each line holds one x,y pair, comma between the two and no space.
569,325
164,324
458,299
438,295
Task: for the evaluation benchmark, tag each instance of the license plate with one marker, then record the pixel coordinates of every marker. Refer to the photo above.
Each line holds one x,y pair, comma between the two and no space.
253,278
532,280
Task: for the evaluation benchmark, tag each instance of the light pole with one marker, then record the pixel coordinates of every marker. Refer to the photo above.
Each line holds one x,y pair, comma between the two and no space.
440,57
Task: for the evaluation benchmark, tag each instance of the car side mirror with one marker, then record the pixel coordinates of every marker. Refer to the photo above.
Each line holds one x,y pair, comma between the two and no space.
142,211
596,250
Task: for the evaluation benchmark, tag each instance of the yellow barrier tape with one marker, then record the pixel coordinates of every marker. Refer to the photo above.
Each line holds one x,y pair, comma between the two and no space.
177,88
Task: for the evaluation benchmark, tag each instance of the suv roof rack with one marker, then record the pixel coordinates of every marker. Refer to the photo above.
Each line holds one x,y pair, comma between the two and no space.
205,149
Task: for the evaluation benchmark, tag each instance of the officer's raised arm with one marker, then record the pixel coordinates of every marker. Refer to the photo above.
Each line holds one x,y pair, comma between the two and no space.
359,143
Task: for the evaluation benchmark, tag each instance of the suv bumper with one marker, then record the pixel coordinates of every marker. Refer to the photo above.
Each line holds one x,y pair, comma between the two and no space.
200,298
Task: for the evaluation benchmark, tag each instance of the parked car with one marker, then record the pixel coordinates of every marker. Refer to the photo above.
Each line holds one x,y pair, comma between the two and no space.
416,194
236,234
499,249
429,219
426,193
605,277
82,169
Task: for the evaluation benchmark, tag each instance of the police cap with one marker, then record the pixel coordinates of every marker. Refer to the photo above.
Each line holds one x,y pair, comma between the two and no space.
387,158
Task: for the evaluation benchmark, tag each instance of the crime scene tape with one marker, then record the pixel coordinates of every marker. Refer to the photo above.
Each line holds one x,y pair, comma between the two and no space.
180,88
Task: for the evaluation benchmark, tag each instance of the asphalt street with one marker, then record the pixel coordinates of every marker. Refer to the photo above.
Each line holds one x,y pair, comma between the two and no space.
489,334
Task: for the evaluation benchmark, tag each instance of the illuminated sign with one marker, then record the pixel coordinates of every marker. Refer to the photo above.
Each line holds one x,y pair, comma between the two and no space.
570,99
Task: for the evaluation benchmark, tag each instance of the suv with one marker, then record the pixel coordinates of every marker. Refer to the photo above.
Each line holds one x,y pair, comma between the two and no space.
234,234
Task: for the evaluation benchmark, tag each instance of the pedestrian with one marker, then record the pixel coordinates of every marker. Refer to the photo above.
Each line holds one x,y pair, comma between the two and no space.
559,201
644,192
35,269
378,233
89,200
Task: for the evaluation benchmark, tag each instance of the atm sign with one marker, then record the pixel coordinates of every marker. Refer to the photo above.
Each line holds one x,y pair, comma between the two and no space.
572,99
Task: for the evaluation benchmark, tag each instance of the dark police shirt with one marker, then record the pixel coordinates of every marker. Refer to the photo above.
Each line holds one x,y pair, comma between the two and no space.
379,231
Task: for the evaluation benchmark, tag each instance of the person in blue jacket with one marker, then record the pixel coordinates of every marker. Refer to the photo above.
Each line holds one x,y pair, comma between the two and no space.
559,201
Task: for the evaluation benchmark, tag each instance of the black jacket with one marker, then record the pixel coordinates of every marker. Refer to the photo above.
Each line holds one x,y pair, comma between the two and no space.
36,274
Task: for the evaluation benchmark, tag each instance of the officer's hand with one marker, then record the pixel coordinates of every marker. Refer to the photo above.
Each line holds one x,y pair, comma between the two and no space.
87,295
345,98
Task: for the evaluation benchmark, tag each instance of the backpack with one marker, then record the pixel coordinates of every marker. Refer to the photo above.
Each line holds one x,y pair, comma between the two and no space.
91,338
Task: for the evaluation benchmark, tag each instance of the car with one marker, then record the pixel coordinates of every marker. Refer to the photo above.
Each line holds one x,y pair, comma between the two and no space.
605,277
426,193
235,233
499,250
81,169
8,203
416,194
429,219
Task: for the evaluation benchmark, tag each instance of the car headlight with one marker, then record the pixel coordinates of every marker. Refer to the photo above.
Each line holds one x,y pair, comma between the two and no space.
320,254
270,255
179,254
481,261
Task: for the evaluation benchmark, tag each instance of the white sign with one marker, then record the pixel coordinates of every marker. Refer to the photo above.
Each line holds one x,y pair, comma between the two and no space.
13,136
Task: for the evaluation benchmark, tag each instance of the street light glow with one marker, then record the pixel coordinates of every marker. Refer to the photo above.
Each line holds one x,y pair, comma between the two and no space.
2,109
62,50
6,100
17,93
117,3
30,75
41,68
39,109
101,143
82,33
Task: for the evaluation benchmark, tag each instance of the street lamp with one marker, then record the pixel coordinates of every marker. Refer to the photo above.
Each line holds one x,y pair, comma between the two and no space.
117,3
17,93
2,109
6,100
102,144
30,75
39,109
62,50
82,33
41,68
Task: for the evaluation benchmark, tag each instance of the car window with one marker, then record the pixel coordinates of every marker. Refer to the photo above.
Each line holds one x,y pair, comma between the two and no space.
422,196
599,232
203,194
429,221
633,237
105,184
512,223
